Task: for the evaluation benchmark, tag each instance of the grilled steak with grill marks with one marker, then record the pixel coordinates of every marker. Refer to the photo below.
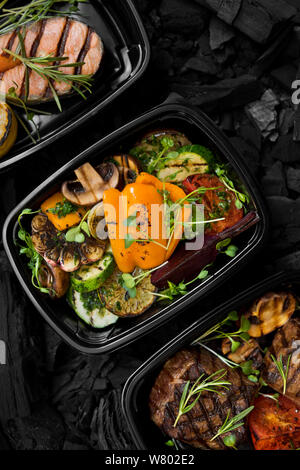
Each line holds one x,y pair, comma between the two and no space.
286,342
201,423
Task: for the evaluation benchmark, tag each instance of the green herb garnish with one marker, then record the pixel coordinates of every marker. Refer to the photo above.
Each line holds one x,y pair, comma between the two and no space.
230,425
282,369
213,383
225,247
63,208
77,234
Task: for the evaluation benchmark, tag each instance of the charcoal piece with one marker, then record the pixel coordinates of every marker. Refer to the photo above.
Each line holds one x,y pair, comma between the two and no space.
126,366
263,113
22,377
255,19
250,134
293,179
286,120
288,262
286,150
284,211
162,60
108,428
203,64
285,75
296,131
70,445
248,152
183,17
43,430
219,33
226,94
273,182
222,55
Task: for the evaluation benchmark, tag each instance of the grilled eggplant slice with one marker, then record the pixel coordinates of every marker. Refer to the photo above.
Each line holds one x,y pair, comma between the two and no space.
119,302
151,141
91,277
271,311
90,309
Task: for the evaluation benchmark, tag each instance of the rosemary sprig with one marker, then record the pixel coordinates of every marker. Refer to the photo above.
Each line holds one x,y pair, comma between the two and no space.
45,68
213,383
283,370
36,10
230,425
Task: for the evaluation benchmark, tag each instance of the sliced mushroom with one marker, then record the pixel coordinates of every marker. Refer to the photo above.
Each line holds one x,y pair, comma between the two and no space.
90,184
128,167
53,278
69,258
248,350
91,251
269,312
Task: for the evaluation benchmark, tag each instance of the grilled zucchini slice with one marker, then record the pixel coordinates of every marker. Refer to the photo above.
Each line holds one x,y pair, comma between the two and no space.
119,302
90,277
179,168
90,309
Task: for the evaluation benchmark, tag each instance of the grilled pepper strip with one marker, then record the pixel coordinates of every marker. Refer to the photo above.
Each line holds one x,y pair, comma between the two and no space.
146,191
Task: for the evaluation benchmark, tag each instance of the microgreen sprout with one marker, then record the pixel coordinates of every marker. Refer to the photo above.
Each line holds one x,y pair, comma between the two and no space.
241,198
77,234
225,246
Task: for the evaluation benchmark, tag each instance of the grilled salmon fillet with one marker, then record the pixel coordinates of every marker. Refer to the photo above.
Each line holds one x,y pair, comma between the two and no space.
57,36
201,423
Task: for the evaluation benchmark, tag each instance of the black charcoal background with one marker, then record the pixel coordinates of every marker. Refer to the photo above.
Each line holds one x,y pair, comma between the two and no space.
236,62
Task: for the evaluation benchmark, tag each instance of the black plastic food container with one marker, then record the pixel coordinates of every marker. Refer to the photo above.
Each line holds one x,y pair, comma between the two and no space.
58,314
146,435
126,56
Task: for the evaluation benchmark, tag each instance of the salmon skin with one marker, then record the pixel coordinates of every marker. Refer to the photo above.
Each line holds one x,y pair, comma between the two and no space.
57,36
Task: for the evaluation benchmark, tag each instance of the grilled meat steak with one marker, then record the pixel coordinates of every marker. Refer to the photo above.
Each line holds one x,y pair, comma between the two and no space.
286,342
201,423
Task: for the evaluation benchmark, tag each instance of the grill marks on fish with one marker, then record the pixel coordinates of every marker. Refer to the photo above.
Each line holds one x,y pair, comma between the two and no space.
59,36
201,423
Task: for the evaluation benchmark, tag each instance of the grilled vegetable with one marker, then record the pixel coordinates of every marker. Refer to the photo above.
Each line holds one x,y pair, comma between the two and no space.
151,141
275,425
62,213
8,129
91,251
96,222
91,183
54,279
186,264
128,167
90,309
119,302
69,259
183,165
218,203
39,222
52,256
247,351
91,277
42,241
269,312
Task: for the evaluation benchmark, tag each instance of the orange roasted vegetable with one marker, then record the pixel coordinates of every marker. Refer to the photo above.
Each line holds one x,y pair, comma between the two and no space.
275,425
61,222
146,191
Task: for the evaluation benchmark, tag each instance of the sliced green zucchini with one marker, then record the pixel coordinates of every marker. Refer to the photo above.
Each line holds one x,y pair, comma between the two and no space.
179,168
90,309
118,300
90,277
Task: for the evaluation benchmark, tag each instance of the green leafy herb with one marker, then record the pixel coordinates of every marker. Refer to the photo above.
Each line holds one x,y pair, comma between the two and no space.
230,425
36,10
241,198
130,282
169,443
282,369
175,290
27,249
274,397
63,208
225,246
213,383
75,234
